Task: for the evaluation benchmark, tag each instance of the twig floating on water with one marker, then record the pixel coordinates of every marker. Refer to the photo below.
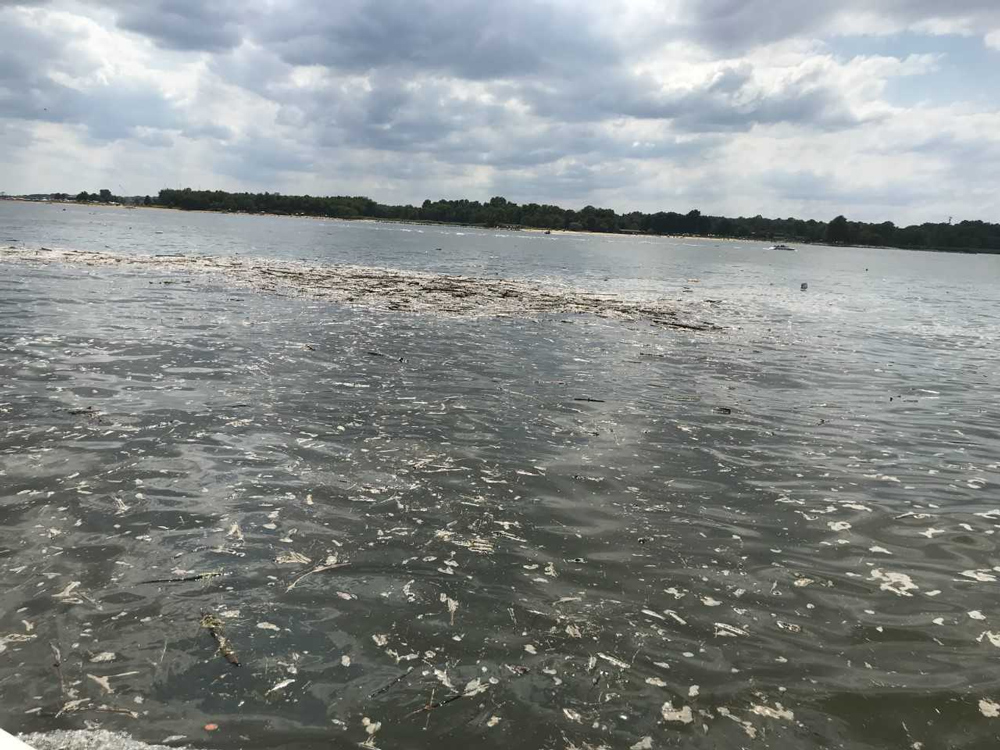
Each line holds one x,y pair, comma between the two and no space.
213,625
329,564
685,326
58,667
392,683
474,688
186,579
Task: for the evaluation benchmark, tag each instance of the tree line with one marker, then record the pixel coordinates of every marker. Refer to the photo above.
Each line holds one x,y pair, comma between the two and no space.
499,212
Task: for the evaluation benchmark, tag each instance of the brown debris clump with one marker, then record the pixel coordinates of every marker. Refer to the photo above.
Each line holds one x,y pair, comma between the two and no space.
381,288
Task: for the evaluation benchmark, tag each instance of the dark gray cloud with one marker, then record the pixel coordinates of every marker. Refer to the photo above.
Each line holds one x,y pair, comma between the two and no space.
406,104
208,130
209,25
258,158
479,40
469,39
807,186
736,25
394,114
563,62
576,182
728,101
16,136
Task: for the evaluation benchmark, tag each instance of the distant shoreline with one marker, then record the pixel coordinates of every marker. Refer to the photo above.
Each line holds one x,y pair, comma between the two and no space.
533,230
377,220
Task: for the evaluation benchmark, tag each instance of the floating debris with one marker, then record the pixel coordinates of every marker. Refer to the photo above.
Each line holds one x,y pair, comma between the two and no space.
392,683
748,727
989,709
371,728
292,558
95,739
614,660
681,715
280,685
983,576
14,638
467,486
730,631
67,593
187,579
331,563
993,638
382,288
103,682
213,625
778,712
452,605
898,583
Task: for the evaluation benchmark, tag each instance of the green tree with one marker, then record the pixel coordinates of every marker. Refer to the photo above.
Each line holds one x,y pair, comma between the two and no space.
83,196
974,235
838,230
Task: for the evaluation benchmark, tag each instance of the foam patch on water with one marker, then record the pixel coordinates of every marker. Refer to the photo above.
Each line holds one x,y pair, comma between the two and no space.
379,288
100,739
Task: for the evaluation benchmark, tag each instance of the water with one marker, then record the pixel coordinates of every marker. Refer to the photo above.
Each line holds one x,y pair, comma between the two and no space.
783,531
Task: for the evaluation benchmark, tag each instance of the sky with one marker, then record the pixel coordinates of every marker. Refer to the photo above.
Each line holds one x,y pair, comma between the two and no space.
875,109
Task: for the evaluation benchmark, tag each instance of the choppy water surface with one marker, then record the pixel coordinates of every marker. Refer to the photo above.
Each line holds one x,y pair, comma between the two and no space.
557,531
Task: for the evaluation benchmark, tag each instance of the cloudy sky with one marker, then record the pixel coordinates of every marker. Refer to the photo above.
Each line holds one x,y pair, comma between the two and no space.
879,109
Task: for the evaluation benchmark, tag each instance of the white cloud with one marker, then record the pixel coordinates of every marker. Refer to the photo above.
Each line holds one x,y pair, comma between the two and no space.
730,107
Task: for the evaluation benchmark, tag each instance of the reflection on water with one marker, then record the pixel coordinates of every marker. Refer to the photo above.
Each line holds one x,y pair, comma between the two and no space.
556,532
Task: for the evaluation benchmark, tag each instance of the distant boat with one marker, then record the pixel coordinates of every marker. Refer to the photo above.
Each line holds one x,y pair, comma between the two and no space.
782,247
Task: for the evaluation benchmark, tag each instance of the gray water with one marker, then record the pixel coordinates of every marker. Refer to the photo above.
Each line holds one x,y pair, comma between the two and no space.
780,534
